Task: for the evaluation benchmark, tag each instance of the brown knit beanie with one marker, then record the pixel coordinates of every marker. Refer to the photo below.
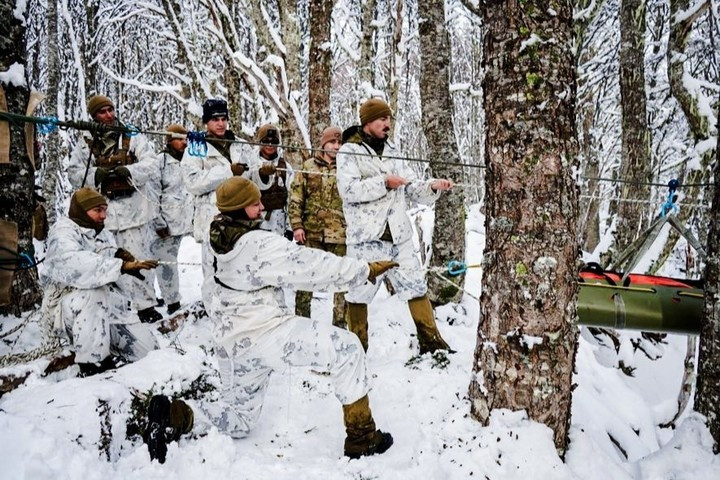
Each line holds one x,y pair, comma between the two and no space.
373,109
268,133
97,102
236,193
87,198
330,133
174,128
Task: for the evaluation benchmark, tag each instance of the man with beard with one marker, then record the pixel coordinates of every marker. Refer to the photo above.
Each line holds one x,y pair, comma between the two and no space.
316,214
82,268
174,218
122,167
202,175
375,186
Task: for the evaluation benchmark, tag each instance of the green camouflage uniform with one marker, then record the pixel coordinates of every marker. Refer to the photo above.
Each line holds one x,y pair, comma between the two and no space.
316,207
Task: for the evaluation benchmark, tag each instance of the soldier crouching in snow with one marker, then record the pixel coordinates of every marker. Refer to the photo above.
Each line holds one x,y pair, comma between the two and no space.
82,265
256,332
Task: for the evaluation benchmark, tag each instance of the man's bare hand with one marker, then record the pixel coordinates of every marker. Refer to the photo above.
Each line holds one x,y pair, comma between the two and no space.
395,181
299,236
441,184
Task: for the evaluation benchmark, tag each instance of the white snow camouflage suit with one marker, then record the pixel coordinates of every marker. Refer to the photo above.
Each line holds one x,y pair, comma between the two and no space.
83,299
129,217
256,333
369,207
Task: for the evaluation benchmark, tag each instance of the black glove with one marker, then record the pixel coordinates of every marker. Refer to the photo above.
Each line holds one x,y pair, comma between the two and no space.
289,235
238,168
123,172
101,175
163,232
124,255
133,268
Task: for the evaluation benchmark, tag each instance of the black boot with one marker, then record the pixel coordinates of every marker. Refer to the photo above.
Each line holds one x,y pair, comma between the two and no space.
167,421
149,315
173,307
93,368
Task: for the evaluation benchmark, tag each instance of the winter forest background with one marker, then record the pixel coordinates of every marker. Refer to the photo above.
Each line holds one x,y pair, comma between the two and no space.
646,111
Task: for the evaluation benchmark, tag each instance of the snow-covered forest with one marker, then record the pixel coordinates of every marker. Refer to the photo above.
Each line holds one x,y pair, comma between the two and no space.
564,120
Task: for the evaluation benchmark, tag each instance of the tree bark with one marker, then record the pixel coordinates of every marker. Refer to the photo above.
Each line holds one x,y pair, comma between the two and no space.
707,394
448,242
635,163
54,149
17,179
527,336
320,69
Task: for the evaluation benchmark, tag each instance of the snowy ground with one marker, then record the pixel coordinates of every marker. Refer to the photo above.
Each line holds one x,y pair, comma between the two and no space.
50,428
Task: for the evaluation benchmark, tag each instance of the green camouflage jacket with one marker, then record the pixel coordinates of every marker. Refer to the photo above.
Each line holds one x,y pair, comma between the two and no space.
315,204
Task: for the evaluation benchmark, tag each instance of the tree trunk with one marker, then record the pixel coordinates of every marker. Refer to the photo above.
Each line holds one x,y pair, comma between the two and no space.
635,134
698,123
707,395
17,179
366,66
448,241
527,336
320,69
54,147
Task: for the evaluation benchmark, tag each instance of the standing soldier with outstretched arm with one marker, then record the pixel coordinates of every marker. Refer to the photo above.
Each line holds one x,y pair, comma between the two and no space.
375,190
316,214
122,167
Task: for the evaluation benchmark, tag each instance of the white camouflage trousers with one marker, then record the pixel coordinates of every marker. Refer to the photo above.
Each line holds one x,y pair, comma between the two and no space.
94,320
408,279
298,342
137,241
166,250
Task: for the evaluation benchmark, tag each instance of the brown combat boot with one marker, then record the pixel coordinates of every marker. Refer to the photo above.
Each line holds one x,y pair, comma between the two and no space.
363,439
429,337
357,321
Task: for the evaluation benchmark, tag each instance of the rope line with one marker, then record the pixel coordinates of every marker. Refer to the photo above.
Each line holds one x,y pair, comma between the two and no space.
637,200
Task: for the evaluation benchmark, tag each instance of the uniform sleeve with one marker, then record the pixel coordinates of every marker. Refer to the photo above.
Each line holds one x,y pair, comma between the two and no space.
200,180
68,263
77,165
285,264
147,168
351,185
297,201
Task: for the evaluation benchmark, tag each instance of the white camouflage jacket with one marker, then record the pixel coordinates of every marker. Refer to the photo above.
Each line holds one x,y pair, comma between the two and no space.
128,212
76,260
202,175
250,301
367,203
176,203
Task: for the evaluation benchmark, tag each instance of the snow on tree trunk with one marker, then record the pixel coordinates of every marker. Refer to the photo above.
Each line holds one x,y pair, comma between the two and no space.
707,394
527,334
448,241
17,180
55,149
635,164
320,69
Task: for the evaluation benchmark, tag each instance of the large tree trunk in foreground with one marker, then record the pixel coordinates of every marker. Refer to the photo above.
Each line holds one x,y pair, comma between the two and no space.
320,69
448,242
707,394
17,180
527,335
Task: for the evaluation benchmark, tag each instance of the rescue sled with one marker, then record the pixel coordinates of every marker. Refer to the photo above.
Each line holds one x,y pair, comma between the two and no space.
639,302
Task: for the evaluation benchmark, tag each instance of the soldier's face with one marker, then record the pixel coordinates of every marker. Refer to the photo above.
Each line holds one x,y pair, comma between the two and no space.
98,214
217,126
268,151
106,115
378,128
331,148
254,211
178,144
